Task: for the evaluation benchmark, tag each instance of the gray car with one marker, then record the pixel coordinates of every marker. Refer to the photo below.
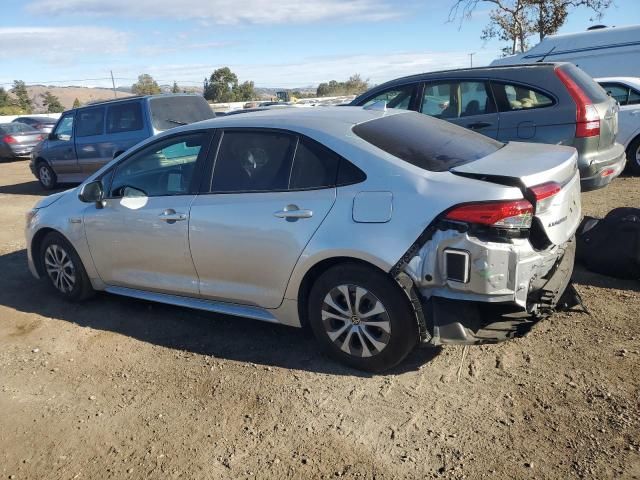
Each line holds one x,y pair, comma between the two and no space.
44,124
379,229
554,103
17,140
87,138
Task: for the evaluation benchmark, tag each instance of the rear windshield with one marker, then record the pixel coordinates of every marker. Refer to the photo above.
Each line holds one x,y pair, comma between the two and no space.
426,142
17,127
168,112
588,85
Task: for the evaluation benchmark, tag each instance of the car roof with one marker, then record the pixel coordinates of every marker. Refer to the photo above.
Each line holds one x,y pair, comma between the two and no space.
35,117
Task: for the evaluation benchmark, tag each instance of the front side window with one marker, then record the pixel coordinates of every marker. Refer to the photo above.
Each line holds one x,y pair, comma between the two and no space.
253,161
399,97
125,117
164,168
64,130
90,122
619,92
634,97
456,99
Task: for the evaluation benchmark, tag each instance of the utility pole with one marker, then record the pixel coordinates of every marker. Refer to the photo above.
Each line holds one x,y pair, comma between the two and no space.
113,83
471,58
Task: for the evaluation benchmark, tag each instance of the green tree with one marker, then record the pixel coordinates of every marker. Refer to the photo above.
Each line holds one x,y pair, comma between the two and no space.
52,103
8,105
515,21
354,85
175,88
145,85
20,91
220,85
244,92
76,103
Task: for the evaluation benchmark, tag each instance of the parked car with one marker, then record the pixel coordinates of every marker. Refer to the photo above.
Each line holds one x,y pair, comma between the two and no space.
626,91
44,124
87,138
17,140
378,229
542,103
600,52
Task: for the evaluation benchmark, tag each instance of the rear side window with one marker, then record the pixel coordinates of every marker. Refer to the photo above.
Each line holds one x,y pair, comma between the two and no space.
512,97
253,161
587,84
89,122
125,117
399,97
314,166
425,142
171,111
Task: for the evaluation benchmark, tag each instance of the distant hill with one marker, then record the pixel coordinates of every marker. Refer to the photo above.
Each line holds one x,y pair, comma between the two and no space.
68,94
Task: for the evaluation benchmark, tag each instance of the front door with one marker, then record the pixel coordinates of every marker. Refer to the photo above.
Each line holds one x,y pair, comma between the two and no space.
466,103
139,239
251,226
60,150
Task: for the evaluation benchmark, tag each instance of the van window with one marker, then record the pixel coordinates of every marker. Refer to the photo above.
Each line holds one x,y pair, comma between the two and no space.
172,111
89,122
425,142
124,117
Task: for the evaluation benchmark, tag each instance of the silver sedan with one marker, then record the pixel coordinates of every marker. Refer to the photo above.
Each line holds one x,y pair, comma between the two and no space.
380,229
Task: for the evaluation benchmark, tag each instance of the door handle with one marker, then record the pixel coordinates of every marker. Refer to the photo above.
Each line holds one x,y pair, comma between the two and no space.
478,125
170,216
292,213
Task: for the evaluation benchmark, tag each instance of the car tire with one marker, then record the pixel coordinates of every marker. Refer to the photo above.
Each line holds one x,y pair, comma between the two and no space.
63,269
340,309
46,176
633,156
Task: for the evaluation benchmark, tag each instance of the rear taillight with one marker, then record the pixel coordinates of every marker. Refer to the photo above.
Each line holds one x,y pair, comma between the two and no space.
502,214
544,194
587,116
9,139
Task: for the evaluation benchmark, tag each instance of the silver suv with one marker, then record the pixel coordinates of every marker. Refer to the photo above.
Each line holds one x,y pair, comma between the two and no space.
554,103
379,229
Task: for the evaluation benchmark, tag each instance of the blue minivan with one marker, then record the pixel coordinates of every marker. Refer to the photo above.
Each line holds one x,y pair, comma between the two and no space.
86,138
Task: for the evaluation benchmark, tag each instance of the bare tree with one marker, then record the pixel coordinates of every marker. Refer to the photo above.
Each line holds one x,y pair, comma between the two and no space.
515,21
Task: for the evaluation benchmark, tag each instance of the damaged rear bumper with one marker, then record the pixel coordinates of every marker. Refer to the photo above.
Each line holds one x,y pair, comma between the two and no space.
499,290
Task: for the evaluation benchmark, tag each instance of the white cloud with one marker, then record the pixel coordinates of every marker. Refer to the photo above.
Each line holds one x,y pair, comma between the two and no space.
312,71
60,44
224,11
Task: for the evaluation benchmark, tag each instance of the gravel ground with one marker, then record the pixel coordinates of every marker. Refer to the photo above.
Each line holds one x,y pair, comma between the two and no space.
119,388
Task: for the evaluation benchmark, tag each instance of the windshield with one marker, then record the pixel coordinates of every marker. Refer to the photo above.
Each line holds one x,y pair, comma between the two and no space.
172,111
426,142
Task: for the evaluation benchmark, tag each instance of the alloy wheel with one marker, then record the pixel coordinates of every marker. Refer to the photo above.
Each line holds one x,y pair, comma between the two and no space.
638,155
60,268
45,175
356,321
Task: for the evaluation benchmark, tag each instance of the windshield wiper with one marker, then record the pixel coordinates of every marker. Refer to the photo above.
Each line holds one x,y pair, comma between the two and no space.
177,122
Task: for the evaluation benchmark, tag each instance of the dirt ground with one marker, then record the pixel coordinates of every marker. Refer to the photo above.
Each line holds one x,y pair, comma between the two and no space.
119,388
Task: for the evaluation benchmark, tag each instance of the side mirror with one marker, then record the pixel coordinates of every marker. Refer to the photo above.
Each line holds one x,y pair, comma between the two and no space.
92,192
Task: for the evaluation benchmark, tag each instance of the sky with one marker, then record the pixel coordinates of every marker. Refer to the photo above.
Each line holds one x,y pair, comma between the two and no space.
282,43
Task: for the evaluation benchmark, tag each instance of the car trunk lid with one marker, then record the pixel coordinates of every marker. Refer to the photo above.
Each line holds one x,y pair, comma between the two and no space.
548,177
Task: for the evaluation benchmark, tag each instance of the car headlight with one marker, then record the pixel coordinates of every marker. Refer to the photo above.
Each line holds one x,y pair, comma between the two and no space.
31,216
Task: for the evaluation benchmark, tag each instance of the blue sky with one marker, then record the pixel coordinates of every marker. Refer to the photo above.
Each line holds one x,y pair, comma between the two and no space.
287,43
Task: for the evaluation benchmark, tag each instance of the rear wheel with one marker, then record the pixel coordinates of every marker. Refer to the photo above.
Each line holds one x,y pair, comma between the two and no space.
63,268
633,156
362,318
46,176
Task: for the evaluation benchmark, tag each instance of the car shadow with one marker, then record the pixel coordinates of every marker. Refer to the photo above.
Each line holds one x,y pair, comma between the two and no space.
221,336
582,276
30,188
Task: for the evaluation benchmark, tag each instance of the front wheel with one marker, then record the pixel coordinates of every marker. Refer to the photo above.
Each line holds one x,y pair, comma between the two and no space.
46,176
633,156
63,268
362,318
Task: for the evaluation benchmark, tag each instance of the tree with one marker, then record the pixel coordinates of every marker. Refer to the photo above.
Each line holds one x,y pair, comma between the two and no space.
8,105
145,85
76,103
175,88
515,21
353,86
244,92
20,91
52,103
220,86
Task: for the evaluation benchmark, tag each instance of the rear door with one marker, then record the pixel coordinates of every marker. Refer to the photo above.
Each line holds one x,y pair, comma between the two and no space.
253,220
467,103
